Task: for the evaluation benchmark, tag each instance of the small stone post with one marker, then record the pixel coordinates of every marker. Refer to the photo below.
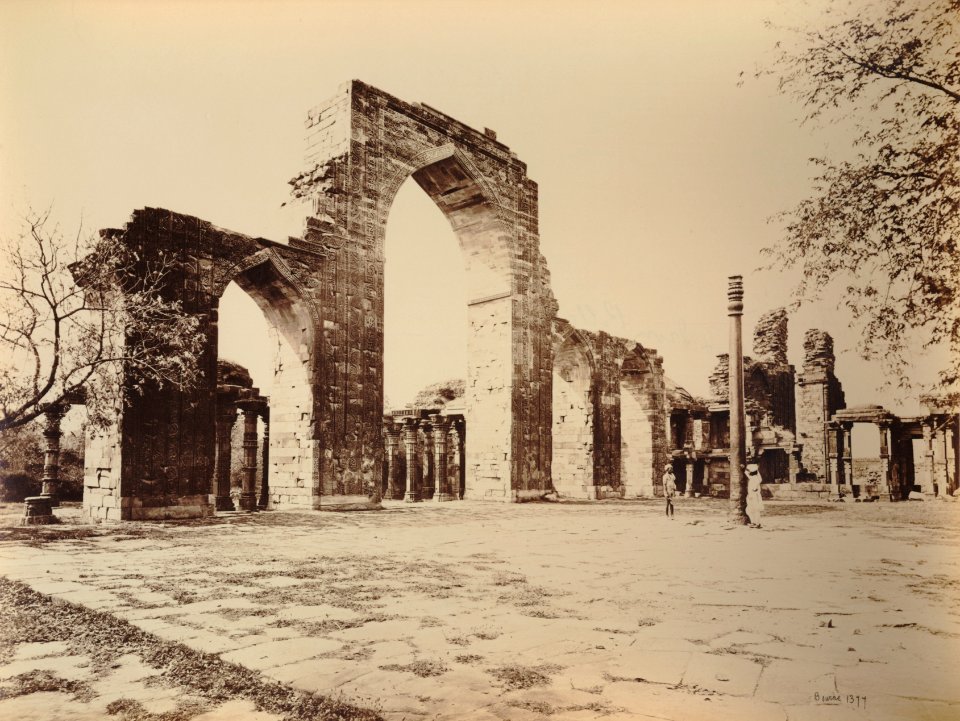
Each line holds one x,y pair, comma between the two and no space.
738,447
248,490
410,447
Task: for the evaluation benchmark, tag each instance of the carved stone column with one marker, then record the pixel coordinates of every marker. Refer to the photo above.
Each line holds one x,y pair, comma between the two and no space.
226,417
248,489
265,460
691,466
427,478
928,457
410,447
53,413
441,428
847,458
456,443
885,466
391,442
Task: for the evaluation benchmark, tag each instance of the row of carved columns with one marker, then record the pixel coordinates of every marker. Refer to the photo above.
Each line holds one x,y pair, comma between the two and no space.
416,457
243,496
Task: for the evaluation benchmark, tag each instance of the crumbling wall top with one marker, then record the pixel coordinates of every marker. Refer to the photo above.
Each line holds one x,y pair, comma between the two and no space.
770,337
818,350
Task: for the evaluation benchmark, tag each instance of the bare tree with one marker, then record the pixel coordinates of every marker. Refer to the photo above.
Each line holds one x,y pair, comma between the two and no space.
85,317
885,223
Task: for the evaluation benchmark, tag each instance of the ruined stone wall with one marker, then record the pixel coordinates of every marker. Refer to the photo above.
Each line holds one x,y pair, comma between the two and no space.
166,436
361,145
818,396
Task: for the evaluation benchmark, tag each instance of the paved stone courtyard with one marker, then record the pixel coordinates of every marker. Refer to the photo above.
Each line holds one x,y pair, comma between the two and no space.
533,611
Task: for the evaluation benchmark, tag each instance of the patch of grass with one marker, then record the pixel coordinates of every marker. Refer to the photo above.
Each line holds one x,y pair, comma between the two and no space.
459,640
517,677
430,622
485,633
37,681
468,658
535,706
421,668
131,710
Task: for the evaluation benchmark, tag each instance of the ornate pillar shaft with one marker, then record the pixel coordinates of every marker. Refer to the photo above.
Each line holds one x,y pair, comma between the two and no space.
456,473
928,465
265,461
691,466
53,414
226,417
847,477
248,491
441,427
738,447
391,442
410,448
427,478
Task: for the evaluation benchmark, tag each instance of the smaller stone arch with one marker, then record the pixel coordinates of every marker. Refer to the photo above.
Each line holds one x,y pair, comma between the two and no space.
642,455
573,463
295,437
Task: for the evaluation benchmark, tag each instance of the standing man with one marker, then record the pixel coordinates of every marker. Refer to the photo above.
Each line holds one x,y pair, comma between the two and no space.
669,489
754,498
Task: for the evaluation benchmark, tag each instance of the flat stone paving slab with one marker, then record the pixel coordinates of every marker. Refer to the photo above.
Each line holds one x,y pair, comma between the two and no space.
565,599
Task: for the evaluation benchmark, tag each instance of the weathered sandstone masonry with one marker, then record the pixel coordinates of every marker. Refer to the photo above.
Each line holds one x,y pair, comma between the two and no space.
609,421
362,145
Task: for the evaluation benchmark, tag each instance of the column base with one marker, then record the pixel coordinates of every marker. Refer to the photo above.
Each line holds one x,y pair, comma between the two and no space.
37,512
411,498
224,503
248,501
442,497
53,500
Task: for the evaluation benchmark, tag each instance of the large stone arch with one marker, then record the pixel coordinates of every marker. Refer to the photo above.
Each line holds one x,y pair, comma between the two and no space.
362,145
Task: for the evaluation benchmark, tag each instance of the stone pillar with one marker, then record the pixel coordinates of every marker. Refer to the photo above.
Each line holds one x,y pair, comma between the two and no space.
427,479
441,427
885,466
265,461
691,467
53,413
226,417
456,443
847,475
738,448
928,457
248,490
410,447
391,443
793,464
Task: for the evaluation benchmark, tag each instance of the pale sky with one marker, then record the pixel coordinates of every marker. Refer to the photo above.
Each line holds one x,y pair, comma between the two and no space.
657,173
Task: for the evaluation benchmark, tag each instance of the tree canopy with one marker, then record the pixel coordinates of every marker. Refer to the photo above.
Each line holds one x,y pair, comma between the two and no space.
85,319
882,222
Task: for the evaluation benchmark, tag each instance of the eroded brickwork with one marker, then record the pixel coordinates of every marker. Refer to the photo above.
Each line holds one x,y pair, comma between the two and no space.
819,395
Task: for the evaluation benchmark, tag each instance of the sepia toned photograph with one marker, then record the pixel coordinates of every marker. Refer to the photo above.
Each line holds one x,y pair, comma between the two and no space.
415,360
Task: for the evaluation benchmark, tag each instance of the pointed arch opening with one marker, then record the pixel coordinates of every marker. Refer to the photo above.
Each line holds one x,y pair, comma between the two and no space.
278,352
